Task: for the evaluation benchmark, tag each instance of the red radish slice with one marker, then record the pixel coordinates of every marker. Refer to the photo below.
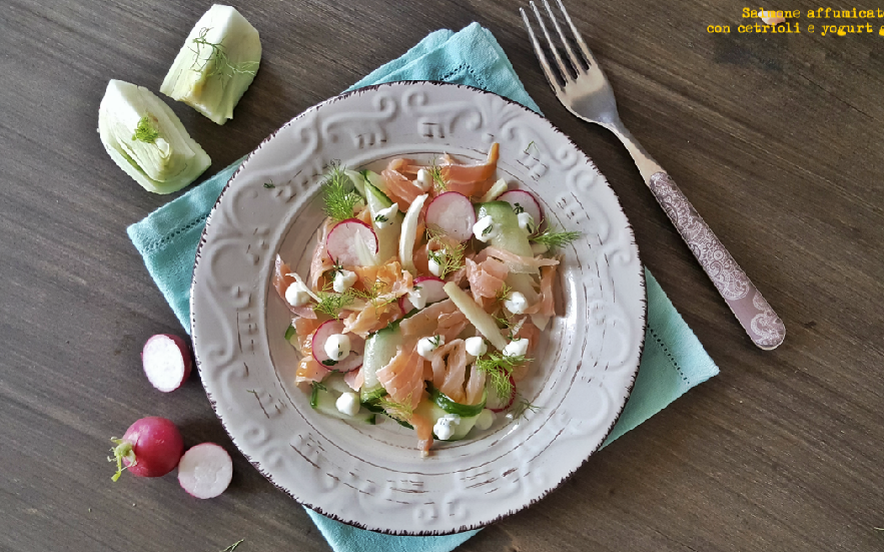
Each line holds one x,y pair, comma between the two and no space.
151,447
350,242
205,470
321,335
497,403
431,288
524,200
167,362
453,214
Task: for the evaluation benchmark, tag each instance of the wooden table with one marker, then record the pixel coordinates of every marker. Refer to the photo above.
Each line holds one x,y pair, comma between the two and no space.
775,138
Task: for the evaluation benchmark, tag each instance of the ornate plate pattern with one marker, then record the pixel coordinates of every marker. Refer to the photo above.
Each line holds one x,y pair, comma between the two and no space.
372,476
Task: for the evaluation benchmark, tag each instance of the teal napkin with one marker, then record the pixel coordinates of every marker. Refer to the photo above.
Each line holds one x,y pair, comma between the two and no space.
673,360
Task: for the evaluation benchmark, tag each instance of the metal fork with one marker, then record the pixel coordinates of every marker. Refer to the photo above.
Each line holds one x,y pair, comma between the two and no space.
582,87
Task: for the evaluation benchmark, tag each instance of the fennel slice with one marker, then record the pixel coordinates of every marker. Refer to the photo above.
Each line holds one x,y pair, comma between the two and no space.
146,139
216,64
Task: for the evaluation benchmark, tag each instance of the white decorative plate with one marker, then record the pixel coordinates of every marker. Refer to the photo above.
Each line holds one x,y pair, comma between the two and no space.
372,476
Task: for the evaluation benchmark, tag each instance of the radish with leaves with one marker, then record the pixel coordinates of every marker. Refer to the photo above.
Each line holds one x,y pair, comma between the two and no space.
151,447
167,362
205,470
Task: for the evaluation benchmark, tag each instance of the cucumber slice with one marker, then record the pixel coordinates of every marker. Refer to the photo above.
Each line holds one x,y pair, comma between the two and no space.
380,348
449,406
335,383
357,180
387,227
374,179
290,333
323,399
507,234
431,411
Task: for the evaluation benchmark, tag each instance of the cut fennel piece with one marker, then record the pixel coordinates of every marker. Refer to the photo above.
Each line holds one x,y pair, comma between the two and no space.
216,65
146,139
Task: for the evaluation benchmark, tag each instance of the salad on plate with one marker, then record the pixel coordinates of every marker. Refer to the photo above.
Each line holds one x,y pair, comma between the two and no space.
426,293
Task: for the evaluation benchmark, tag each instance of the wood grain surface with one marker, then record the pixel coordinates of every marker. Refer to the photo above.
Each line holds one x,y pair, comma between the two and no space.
775,138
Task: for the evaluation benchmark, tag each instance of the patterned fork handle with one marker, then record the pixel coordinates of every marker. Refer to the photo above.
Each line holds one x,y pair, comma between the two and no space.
753,312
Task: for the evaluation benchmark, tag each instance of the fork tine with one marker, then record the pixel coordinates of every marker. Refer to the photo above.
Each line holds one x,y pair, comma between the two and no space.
541,57
587,53
579,65
563,69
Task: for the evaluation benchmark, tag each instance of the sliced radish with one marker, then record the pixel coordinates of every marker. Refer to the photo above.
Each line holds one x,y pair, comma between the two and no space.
453,214
523,200
151,447
431,288
498,403
167,362
352,243
323,333
205,470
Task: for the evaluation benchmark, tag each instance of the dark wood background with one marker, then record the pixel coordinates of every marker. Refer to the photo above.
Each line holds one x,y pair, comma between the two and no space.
777,140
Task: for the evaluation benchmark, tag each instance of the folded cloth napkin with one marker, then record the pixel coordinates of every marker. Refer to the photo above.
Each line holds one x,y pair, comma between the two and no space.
673,360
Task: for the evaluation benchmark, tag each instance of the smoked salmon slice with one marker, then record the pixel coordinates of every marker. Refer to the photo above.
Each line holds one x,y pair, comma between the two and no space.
471,180
403,378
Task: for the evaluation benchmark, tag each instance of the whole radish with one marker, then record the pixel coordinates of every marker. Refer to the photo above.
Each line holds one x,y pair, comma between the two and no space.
151,447
166,361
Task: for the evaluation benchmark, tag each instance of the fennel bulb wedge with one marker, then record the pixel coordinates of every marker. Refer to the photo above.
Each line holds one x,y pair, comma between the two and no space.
146,139
216,65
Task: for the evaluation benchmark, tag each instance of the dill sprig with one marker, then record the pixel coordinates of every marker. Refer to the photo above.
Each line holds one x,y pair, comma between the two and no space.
331,303
554,240
503,292
217,60
522,407
509,324
340,199
146,130
400,411
499,369
439,184
450,257
374,293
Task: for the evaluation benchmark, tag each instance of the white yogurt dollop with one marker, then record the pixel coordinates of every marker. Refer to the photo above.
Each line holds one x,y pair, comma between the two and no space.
484,228
418,297
516,348
297,294
426,345
526,222
337,347
475,346
444,427
424,179
385,217
516,302
344,279
348,403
